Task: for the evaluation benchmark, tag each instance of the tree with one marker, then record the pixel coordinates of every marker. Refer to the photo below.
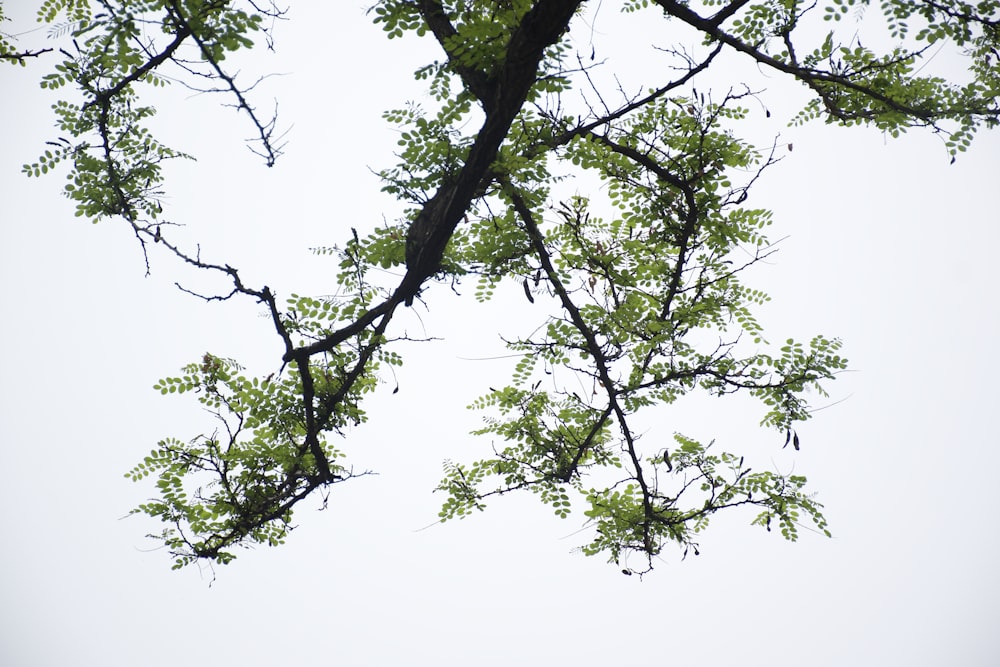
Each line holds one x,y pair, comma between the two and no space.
644,292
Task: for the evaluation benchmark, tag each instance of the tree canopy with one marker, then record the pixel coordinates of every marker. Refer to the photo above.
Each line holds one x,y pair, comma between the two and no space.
637,291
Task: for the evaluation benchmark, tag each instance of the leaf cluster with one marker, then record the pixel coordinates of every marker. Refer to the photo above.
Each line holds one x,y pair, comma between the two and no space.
236,485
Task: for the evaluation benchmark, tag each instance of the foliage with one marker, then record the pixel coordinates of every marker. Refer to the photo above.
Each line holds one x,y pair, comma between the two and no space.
260,464
640,300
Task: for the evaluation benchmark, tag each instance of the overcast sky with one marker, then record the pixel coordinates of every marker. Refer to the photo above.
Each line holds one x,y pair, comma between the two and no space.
887,246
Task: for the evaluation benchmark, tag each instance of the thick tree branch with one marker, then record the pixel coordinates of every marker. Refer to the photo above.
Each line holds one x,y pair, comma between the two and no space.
430,231
813,78
103,97
594,349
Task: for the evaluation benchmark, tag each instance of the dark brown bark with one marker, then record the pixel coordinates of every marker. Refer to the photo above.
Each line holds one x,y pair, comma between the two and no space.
430,231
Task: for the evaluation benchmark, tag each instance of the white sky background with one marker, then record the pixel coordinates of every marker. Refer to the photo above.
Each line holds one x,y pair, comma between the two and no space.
889,247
